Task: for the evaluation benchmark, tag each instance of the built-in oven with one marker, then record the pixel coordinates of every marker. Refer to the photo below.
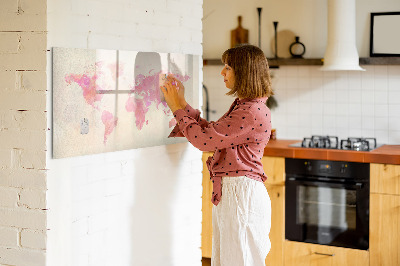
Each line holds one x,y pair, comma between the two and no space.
327,202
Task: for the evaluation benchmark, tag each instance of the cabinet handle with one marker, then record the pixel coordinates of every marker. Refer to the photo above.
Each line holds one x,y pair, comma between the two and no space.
325,254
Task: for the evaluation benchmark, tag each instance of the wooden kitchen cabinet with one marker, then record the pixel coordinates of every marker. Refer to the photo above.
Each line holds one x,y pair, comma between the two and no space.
385,178
384,236
305,254
206,225
277,233
274,168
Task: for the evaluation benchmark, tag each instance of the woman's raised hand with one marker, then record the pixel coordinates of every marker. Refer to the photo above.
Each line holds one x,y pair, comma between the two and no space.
173,93
181,90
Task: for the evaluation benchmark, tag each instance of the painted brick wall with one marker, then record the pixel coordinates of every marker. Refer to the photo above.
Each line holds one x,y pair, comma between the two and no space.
23,132
133,207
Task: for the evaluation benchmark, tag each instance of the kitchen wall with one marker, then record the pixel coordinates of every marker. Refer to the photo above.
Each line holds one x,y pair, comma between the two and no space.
133,207
343,103
23,132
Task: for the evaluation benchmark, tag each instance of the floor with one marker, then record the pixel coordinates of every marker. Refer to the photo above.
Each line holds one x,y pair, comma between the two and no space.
206,261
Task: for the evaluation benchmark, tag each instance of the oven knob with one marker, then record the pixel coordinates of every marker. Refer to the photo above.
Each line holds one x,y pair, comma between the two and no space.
343,168
308,166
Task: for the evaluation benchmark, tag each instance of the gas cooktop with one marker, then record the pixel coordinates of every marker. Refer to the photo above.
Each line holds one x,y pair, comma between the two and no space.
332,142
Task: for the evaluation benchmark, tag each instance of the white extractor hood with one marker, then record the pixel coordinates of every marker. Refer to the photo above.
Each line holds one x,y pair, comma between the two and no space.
341,51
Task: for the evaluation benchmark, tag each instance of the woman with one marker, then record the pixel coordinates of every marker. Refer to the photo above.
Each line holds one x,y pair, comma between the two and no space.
242,208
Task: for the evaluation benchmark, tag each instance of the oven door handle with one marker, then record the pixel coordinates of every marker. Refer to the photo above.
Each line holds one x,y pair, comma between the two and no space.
357,185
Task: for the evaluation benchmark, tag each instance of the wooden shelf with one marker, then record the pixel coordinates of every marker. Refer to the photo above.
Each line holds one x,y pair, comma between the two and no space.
274,63
380,61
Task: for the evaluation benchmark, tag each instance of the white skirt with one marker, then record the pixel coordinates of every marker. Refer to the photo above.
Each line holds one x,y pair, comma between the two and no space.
241,223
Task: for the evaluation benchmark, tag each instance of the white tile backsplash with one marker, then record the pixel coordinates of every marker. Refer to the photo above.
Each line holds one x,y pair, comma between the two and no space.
394,123
394,82
380,71
394,110
343,103
394,137
380,84
367,109
394,97
355,109
381,110
381,97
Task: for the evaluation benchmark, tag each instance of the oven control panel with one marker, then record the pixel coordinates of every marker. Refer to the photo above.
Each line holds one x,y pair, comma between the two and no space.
338,169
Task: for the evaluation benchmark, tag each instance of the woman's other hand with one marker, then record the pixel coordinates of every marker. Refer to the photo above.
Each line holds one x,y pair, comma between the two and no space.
172,95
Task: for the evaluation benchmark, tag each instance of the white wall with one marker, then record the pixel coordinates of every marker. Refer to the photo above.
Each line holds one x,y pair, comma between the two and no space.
305,18
133,207
311,102
23,133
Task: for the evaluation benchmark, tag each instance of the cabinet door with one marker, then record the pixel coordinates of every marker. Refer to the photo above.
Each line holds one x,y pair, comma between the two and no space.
277,233
274,168
384,230
206,232
385,178
304,254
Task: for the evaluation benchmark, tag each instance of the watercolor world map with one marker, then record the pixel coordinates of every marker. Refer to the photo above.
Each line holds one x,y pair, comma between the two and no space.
109,100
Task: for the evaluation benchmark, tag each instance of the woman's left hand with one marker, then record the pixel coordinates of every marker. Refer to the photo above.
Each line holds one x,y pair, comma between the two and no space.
170,91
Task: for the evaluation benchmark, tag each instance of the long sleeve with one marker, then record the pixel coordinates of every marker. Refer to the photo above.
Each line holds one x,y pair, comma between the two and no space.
193,113
231,130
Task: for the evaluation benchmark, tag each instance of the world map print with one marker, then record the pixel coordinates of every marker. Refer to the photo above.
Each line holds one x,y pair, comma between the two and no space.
109,100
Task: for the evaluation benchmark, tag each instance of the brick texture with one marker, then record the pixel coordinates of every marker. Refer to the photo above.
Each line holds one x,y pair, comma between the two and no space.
23,128
9,237
33,239
8,197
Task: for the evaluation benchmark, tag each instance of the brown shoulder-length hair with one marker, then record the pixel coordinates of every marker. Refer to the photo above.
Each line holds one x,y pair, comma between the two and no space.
250,66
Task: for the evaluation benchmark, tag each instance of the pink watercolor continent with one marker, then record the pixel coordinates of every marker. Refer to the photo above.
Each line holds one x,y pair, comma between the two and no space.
147,88
88,85
139,108
109,122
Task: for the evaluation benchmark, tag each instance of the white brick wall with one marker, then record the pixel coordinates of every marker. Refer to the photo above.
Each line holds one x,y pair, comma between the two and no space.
134,207
23,132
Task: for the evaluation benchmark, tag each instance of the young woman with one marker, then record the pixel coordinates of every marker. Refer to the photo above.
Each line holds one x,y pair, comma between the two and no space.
242,209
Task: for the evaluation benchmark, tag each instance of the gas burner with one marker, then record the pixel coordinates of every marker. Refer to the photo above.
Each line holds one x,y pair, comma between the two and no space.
358,144
327,142
332,142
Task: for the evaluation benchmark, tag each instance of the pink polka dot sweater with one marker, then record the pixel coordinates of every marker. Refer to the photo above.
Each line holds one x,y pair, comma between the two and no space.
238,139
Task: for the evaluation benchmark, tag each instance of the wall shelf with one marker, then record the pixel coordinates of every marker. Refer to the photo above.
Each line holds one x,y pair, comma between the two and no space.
274,63
380,61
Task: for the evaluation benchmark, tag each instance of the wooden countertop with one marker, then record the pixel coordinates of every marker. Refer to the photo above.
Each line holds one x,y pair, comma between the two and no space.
389,154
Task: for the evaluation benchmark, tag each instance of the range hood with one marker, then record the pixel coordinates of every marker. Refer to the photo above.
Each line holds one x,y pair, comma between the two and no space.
341,51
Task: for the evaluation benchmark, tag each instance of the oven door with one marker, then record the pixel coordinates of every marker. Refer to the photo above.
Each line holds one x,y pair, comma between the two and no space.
327,213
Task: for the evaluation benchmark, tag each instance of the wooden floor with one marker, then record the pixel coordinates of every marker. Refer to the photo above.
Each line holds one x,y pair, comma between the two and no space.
206,261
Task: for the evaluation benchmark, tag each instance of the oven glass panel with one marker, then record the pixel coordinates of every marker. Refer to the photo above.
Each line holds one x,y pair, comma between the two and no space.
326,207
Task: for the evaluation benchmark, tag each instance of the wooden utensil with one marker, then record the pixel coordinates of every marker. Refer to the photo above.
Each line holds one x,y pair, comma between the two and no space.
239,35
